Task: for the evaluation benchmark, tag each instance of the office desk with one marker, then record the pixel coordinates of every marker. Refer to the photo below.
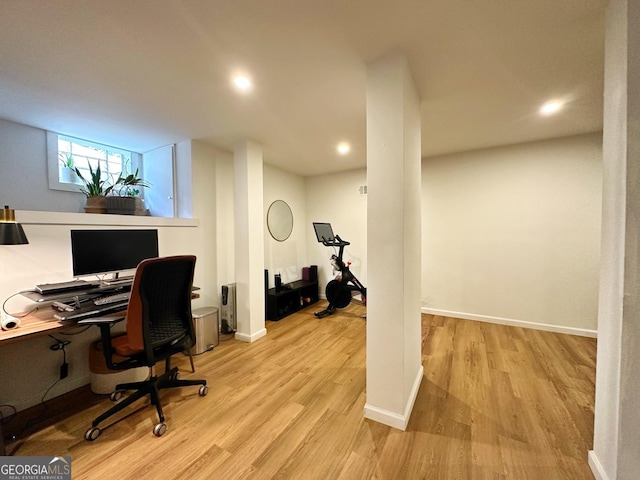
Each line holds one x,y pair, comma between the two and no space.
40,323
36,324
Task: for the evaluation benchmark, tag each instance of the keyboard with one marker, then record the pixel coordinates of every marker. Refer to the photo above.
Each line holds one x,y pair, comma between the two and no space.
91,310
45,288
108,299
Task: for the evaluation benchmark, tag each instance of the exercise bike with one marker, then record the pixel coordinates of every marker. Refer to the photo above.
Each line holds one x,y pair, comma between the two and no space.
339,290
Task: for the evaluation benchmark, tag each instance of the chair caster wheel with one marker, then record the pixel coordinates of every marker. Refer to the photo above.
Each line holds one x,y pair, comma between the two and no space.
92,434
159,429
203,390
116,395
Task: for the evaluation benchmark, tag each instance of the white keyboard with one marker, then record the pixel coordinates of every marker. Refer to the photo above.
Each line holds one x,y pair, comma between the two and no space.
107,299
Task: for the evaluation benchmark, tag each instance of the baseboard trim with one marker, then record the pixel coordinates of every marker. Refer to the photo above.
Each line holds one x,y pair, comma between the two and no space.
583,332
393,419
596,467
251,338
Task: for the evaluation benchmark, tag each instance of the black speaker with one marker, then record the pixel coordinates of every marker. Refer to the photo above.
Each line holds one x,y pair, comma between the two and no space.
313,273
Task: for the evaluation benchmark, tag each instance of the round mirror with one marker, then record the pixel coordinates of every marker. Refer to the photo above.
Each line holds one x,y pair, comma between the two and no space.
279,220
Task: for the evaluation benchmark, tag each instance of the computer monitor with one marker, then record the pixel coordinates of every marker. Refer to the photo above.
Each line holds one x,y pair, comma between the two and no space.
96,252
324,232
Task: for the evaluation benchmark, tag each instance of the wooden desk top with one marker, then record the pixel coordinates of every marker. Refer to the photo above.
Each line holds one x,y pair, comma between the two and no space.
42,322
39,323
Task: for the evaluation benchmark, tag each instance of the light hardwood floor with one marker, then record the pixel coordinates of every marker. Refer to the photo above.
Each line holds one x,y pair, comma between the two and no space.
495,402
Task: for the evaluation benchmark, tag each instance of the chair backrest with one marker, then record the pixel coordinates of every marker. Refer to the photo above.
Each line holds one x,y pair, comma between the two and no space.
159,319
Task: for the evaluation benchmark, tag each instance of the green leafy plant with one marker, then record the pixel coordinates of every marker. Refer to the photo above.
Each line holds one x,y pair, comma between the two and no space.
95,186
125,185
67,160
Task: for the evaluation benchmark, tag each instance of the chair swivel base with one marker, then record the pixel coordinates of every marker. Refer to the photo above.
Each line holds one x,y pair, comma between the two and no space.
150,387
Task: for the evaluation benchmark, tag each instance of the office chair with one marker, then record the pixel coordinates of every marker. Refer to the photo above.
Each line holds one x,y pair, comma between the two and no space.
159,325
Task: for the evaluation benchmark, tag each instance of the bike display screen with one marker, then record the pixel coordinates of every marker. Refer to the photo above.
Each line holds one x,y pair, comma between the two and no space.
324,232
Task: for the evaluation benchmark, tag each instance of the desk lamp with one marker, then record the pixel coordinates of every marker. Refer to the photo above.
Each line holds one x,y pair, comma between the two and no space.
11,233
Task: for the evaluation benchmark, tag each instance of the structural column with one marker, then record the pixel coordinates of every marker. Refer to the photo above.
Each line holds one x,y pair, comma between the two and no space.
394,369
249,241
617,420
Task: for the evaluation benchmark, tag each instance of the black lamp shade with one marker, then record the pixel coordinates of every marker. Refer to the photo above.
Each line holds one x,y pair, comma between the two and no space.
11,233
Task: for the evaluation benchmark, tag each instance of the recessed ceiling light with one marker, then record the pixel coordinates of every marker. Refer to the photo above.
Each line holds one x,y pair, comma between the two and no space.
242,83
343,148
551,107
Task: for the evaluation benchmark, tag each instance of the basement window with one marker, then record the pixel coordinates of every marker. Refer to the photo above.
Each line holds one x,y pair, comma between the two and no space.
65,154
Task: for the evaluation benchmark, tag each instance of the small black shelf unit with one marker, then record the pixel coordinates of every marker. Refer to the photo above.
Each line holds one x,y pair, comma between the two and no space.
290,298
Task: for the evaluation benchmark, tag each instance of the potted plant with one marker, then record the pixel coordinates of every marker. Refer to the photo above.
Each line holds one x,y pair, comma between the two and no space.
95,189
126,195
67,171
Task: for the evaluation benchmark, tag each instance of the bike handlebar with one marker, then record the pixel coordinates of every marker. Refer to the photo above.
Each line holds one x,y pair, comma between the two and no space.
336,242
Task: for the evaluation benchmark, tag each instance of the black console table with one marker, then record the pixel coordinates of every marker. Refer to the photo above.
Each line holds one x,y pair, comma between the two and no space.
290,298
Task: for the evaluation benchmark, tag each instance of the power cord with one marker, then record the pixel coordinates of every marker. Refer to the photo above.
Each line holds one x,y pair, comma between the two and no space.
59,345
64,372
13,314
4,420
33,420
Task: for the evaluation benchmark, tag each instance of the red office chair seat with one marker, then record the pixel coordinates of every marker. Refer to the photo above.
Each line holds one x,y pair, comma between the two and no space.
121,346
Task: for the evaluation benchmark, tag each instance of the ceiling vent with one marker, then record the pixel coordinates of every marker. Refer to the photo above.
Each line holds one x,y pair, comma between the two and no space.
363,189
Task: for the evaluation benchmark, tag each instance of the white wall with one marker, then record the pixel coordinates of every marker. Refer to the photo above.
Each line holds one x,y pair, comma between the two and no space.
394,367
513,233
616,423
24,181
286,258
225,223
510,234
213,199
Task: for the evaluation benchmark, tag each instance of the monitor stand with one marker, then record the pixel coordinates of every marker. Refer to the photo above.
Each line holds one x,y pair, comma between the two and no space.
118,280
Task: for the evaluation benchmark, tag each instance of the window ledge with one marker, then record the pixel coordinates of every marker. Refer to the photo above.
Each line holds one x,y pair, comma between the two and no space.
28,217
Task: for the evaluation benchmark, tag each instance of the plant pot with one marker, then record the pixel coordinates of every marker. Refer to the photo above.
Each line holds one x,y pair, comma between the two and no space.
68,176
95,205
125,205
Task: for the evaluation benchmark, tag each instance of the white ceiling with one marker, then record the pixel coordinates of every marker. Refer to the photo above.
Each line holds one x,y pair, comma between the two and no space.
140,74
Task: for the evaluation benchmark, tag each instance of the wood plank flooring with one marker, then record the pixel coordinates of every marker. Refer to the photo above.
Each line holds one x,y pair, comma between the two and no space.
495,402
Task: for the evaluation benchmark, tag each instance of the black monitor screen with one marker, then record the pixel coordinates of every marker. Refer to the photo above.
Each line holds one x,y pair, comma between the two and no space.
324,232
104,251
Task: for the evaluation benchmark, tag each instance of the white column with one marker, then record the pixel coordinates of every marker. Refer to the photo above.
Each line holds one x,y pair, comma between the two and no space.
394,369
617,418
249,241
